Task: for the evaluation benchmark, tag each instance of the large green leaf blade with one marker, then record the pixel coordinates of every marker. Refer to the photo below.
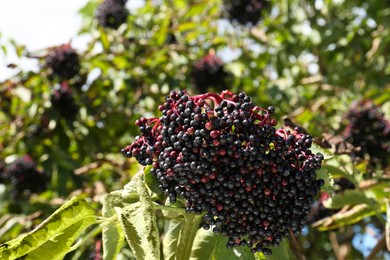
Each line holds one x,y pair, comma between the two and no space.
345,218
112,235
280,252
348,197
208,245
315,148
188,231
55,249
139,223
170,240
151,180
204,245
55,235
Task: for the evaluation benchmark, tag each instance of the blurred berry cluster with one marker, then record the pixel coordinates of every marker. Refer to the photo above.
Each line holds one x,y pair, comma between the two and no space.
112,13
24,177
224,155
368,129
63,62
209,73
245,12
63,101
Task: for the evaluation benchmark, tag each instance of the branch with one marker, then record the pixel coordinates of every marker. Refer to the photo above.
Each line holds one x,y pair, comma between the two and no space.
296,247
378,247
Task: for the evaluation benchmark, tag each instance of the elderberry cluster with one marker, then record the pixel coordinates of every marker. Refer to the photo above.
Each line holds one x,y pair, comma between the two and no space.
244,11
63,61
368,129
112,13
63,101
225,157
23,176
209,72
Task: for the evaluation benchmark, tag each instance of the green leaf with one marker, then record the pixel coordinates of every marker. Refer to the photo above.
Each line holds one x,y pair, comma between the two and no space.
151,180
112,235
208,245
171,239
336,172
53,238
318,149
260,256
387,226
204,245
327,177
348,197
236,68
280,252
344,218
190,226
186,26
89,9
104,39
139,223
56,248
129,193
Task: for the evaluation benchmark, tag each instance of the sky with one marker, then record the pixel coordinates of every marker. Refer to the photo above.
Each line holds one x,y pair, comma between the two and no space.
37,24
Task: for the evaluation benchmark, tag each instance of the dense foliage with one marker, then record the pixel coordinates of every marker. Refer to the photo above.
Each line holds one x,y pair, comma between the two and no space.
64,124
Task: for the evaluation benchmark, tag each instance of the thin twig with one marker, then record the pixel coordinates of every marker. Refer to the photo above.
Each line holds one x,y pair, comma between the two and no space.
378,247
296,247
335,245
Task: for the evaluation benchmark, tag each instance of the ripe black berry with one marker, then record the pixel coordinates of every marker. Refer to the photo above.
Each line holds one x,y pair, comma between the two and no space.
24,176
368,129
112,13
63,61
254,182
244,12
63,101
209,72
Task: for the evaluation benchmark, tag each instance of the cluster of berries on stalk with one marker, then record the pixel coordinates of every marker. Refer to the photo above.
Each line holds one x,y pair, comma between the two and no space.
209,73
24,176
225,157
245,12
63,101
112,13
368,129
63,61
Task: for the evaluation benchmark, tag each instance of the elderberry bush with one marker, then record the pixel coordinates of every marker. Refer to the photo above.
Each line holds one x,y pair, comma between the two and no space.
112,13
368,129
63,61
63,101
209,72
24,176
224,156
245,12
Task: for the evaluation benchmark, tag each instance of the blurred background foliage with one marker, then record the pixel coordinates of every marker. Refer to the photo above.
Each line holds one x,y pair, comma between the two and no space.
309,59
